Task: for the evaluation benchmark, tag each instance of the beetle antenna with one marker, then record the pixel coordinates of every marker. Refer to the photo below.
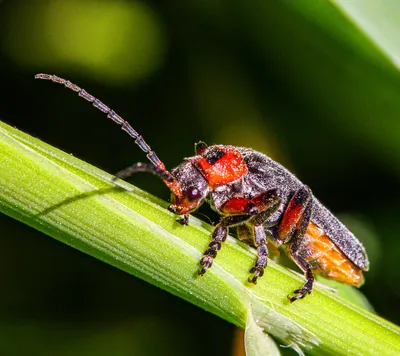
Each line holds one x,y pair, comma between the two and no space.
157,166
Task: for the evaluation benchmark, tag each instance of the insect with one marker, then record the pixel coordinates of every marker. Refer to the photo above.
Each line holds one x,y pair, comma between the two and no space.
257,196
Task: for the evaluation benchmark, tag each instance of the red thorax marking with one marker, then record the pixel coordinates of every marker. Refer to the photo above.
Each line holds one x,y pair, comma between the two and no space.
227,169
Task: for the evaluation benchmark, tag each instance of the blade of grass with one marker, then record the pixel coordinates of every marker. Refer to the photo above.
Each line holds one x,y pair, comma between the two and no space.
327,58
379,21
75,203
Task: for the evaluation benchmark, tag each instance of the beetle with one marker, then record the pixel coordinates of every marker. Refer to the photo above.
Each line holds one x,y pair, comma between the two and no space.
258,196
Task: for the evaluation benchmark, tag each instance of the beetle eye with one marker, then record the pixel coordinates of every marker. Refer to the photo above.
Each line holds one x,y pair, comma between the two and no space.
193,194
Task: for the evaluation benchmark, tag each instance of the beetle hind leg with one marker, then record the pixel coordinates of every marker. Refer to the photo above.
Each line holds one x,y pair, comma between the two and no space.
297,253
292,230
309,276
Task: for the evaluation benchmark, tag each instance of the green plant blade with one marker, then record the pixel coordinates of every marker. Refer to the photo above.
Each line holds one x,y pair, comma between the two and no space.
379,21
75,203
256,342
334,65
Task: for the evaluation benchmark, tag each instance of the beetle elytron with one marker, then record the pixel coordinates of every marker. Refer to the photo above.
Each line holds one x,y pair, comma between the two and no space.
259,197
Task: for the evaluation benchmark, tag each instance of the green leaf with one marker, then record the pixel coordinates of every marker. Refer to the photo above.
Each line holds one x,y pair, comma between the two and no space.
77,204
256,342
379,21
338,60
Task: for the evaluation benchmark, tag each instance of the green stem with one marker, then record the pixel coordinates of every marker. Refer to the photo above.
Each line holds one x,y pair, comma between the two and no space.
77,204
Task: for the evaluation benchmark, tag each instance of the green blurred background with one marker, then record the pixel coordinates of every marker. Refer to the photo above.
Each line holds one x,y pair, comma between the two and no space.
313,84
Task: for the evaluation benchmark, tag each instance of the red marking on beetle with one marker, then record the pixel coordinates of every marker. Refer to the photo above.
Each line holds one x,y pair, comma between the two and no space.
225,170
235,206
243,206
290,221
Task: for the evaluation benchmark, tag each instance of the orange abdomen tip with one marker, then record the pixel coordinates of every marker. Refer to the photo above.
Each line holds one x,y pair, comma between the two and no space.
326,259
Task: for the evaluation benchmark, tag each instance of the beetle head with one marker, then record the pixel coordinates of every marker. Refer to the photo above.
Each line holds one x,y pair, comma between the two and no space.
193,189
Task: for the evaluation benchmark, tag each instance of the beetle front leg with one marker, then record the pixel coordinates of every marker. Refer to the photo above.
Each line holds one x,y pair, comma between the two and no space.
183,220
219,235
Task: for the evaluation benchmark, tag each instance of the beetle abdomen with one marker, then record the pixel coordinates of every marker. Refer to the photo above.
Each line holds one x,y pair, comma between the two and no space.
326,259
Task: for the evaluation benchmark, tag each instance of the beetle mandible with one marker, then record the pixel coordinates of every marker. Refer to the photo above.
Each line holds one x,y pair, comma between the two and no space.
259,197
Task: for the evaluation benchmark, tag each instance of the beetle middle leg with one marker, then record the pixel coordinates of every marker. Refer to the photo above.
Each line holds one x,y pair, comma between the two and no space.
249,210
260,240
260,236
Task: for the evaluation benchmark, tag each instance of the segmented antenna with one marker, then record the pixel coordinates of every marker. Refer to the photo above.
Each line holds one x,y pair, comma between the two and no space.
152,157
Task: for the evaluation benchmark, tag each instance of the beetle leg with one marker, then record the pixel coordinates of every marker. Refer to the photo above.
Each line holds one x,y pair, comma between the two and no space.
294,215
260,239
219,235
269,202
301,205
244,234
184,220
259,234
143,167
257,206
308,286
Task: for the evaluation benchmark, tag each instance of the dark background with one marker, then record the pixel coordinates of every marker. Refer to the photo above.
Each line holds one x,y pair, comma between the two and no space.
310,92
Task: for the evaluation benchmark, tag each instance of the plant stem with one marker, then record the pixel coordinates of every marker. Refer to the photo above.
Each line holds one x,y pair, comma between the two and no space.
77,204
